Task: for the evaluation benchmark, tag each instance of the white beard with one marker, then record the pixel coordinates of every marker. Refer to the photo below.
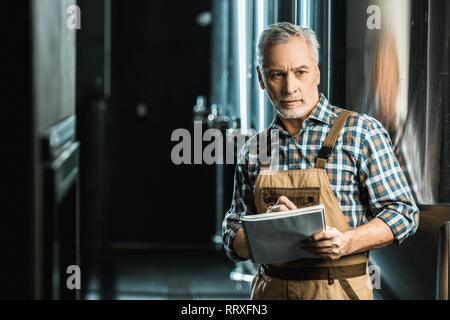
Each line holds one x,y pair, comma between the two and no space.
291,114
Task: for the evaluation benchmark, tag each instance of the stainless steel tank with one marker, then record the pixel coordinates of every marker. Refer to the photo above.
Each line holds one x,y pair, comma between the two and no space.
397,71
388,59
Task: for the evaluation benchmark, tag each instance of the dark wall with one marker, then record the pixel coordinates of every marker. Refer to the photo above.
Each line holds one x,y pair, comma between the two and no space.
338,54
92,111
16,154
40,78
160,58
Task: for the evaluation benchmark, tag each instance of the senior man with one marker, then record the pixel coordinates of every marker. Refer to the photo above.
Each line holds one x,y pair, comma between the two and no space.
327,155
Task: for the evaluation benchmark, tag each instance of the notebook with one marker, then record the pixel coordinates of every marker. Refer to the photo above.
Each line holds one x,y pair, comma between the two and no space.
273,237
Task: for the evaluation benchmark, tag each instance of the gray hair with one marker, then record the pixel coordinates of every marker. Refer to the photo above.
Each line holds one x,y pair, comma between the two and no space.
280,33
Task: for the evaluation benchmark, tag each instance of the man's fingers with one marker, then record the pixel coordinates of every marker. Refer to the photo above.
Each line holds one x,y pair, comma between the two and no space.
323,244
322,235
277,208
288,203
329,244
316,244
318,240
283,204
322,252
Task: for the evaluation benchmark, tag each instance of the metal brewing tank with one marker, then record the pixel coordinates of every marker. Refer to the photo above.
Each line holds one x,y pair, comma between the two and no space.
398,73
388,59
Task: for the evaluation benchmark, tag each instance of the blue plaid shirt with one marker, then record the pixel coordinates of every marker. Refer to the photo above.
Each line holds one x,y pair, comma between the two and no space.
364,172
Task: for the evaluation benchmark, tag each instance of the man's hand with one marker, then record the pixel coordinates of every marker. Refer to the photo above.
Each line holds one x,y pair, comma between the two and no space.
283,204
333,244
329,244
239,244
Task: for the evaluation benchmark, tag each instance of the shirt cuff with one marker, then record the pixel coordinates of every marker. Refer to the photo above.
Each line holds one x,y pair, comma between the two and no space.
400,226
228,241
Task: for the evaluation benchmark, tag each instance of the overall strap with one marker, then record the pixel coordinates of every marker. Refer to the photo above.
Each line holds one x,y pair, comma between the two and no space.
268,150
328,145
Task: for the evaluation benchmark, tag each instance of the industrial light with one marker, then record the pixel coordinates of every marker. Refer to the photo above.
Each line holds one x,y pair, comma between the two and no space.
305,7
242,44
260,27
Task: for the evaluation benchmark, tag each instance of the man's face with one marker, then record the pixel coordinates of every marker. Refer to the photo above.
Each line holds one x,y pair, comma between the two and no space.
290,77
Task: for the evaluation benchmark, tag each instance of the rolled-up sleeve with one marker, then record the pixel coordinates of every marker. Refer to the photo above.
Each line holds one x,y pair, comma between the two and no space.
242,204
389,195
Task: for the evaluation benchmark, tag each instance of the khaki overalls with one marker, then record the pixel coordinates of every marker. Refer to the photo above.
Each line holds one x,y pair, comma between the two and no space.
345,278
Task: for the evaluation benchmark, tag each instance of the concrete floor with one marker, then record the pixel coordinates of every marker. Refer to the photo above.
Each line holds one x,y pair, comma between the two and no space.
165,274
168,274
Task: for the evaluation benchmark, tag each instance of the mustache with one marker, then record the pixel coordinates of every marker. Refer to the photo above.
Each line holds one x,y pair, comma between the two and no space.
290,99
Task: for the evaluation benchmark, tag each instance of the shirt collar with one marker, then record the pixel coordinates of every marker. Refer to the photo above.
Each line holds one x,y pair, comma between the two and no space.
321,112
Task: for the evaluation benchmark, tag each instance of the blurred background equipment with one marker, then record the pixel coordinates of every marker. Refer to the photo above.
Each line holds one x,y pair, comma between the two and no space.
61,223
107,98
396,72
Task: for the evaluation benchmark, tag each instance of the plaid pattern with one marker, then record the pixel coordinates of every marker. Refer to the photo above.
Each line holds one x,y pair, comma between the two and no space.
364,172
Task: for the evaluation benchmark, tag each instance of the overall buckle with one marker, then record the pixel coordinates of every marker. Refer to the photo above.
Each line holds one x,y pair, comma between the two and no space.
325,152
